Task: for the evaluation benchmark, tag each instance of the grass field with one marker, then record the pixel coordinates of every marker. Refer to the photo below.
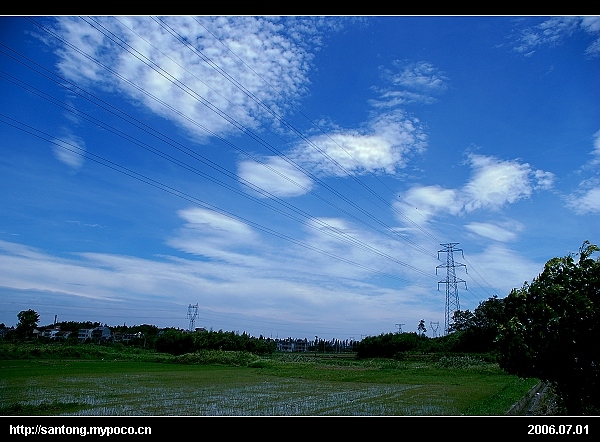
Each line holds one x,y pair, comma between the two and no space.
246,385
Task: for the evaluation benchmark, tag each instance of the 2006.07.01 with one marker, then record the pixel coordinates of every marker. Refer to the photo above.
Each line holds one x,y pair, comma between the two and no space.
557,429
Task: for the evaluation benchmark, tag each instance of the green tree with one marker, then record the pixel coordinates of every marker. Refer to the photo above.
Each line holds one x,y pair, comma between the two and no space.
175,342
478,331
552,330
421,327
28,320
389,345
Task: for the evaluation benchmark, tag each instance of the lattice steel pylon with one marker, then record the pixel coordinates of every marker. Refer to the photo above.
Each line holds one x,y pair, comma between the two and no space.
434,328
192,315
451,281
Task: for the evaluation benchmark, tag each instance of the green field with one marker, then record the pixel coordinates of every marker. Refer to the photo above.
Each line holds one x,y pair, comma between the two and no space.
246,385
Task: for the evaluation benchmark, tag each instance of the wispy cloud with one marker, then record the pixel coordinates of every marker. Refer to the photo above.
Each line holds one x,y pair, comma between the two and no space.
231,270
69,149
214,235
420,76
276,176
410,83
429,201
554,30
505,232
505,268
586,199
596,150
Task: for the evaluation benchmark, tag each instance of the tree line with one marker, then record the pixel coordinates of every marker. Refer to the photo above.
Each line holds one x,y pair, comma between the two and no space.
169,340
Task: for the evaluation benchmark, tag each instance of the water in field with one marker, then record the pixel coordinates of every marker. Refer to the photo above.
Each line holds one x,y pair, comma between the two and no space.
282,397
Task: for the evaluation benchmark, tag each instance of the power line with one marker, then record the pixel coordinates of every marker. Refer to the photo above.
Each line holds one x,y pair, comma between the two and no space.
327,228
126,171
279,118
245,130
294,130
314,222
330,229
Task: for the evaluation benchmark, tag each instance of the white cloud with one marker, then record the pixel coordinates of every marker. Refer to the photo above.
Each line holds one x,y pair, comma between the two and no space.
589,201
189,79
244,276
429,201
592,26
421,76
69,150
382,146
414,83
493,184
215,236
555,29
276,176
505,269
496,182
505,232
596,151
586,199
545,180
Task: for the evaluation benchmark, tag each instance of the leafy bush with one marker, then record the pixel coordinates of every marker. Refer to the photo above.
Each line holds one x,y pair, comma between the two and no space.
178,342
388,345
220,357
552,330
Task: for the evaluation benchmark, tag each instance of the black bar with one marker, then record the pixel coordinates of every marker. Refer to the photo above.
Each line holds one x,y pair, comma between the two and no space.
144,427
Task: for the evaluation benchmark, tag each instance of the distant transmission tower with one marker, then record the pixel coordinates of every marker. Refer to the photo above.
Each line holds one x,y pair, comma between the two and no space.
434,328
192,315
400,327
451,281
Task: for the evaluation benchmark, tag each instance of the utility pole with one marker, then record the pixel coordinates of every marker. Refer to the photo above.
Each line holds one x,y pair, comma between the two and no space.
192,314
451,281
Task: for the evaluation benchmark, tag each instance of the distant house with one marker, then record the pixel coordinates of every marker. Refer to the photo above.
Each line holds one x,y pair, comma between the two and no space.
84,334
62,335
122,337
101,334
97,334
292,345
51,333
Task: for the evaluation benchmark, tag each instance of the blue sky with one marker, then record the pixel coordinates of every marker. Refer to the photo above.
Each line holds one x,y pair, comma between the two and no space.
293,176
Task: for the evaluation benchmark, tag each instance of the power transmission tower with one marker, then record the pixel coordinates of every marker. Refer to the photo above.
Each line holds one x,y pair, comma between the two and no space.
192,315
451,281
400,327
434,328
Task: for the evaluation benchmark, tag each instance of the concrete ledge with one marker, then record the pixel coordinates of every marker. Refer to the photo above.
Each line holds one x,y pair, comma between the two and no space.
520,407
